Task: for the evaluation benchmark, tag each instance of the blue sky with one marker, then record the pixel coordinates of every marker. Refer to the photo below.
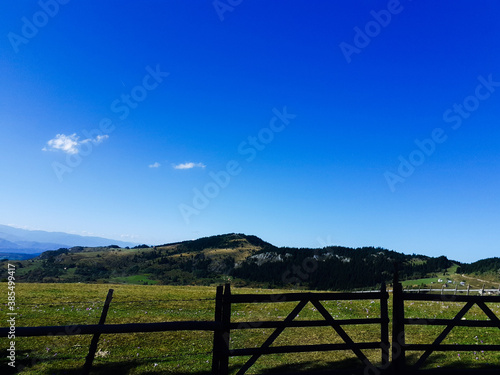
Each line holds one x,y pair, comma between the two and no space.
370,123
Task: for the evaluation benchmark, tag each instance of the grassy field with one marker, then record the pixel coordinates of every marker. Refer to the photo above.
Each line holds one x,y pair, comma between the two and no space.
189,352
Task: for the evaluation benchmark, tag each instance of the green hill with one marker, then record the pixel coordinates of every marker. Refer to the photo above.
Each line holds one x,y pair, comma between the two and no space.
201,261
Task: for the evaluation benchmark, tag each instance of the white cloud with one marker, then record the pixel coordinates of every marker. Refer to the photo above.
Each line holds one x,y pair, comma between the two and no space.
70,143
155,165
189,165
65,143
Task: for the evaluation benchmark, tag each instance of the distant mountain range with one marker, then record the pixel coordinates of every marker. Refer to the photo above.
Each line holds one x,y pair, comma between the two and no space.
22,241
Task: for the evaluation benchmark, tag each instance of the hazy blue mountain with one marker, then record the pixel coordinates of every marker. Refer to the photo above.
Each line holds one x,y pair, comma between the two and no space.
16,240
4,244
17,256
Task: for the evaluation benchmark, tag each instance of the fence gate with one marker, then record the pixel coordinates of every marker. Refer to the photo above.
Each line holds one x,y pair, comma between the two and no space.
400,347
224,300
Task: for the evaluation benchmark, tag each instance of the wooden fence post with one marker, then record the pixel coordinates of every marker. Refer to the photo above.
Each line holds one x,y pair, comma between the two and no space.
95,339
398,330
384,326
226,322
218,337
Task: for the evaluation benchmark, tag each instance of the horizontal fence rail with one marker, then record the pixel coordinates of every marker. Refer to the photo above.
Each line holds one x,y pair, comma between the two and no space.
448,298
91,329
295,297
453,290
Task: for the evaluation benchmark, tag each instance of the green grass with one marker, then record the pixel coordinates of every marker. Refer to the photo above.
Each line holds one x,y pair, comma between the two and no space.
190,351
134,280
425,281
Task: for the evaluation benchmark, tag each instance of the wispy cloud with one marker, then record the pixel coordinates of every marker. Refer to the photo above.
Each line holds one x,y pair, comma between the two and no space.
189,165
96,140
155,165
70,144
65,143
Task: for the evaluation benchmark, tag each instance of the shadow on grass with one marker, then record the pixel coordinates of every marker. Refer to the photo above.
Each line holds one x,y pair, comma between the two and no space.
121,368
433,365
440,364
26,362
351,366
346,366
23,361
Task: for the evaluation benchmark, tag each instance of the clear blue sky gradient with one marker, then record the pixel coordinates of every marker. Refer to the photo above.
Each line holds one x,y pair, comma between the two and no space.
364,79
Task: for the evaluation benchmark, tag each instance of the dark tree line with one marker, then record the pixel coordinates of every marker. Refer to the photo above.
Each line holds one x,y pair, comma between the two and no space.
337,268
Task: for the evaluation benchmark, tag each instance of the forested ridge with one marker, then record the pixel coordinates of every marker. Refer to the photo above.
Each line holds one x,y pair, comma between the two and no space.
483,266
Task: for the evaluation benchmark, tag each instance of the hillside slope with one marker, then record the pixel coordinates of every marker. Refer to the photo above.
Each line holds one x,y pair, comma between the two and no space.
199,261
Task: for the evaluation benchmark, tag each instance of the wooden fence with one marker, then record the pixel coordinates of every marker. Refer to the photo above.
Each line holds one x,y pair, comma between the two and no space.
400,346
223,327
225,300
